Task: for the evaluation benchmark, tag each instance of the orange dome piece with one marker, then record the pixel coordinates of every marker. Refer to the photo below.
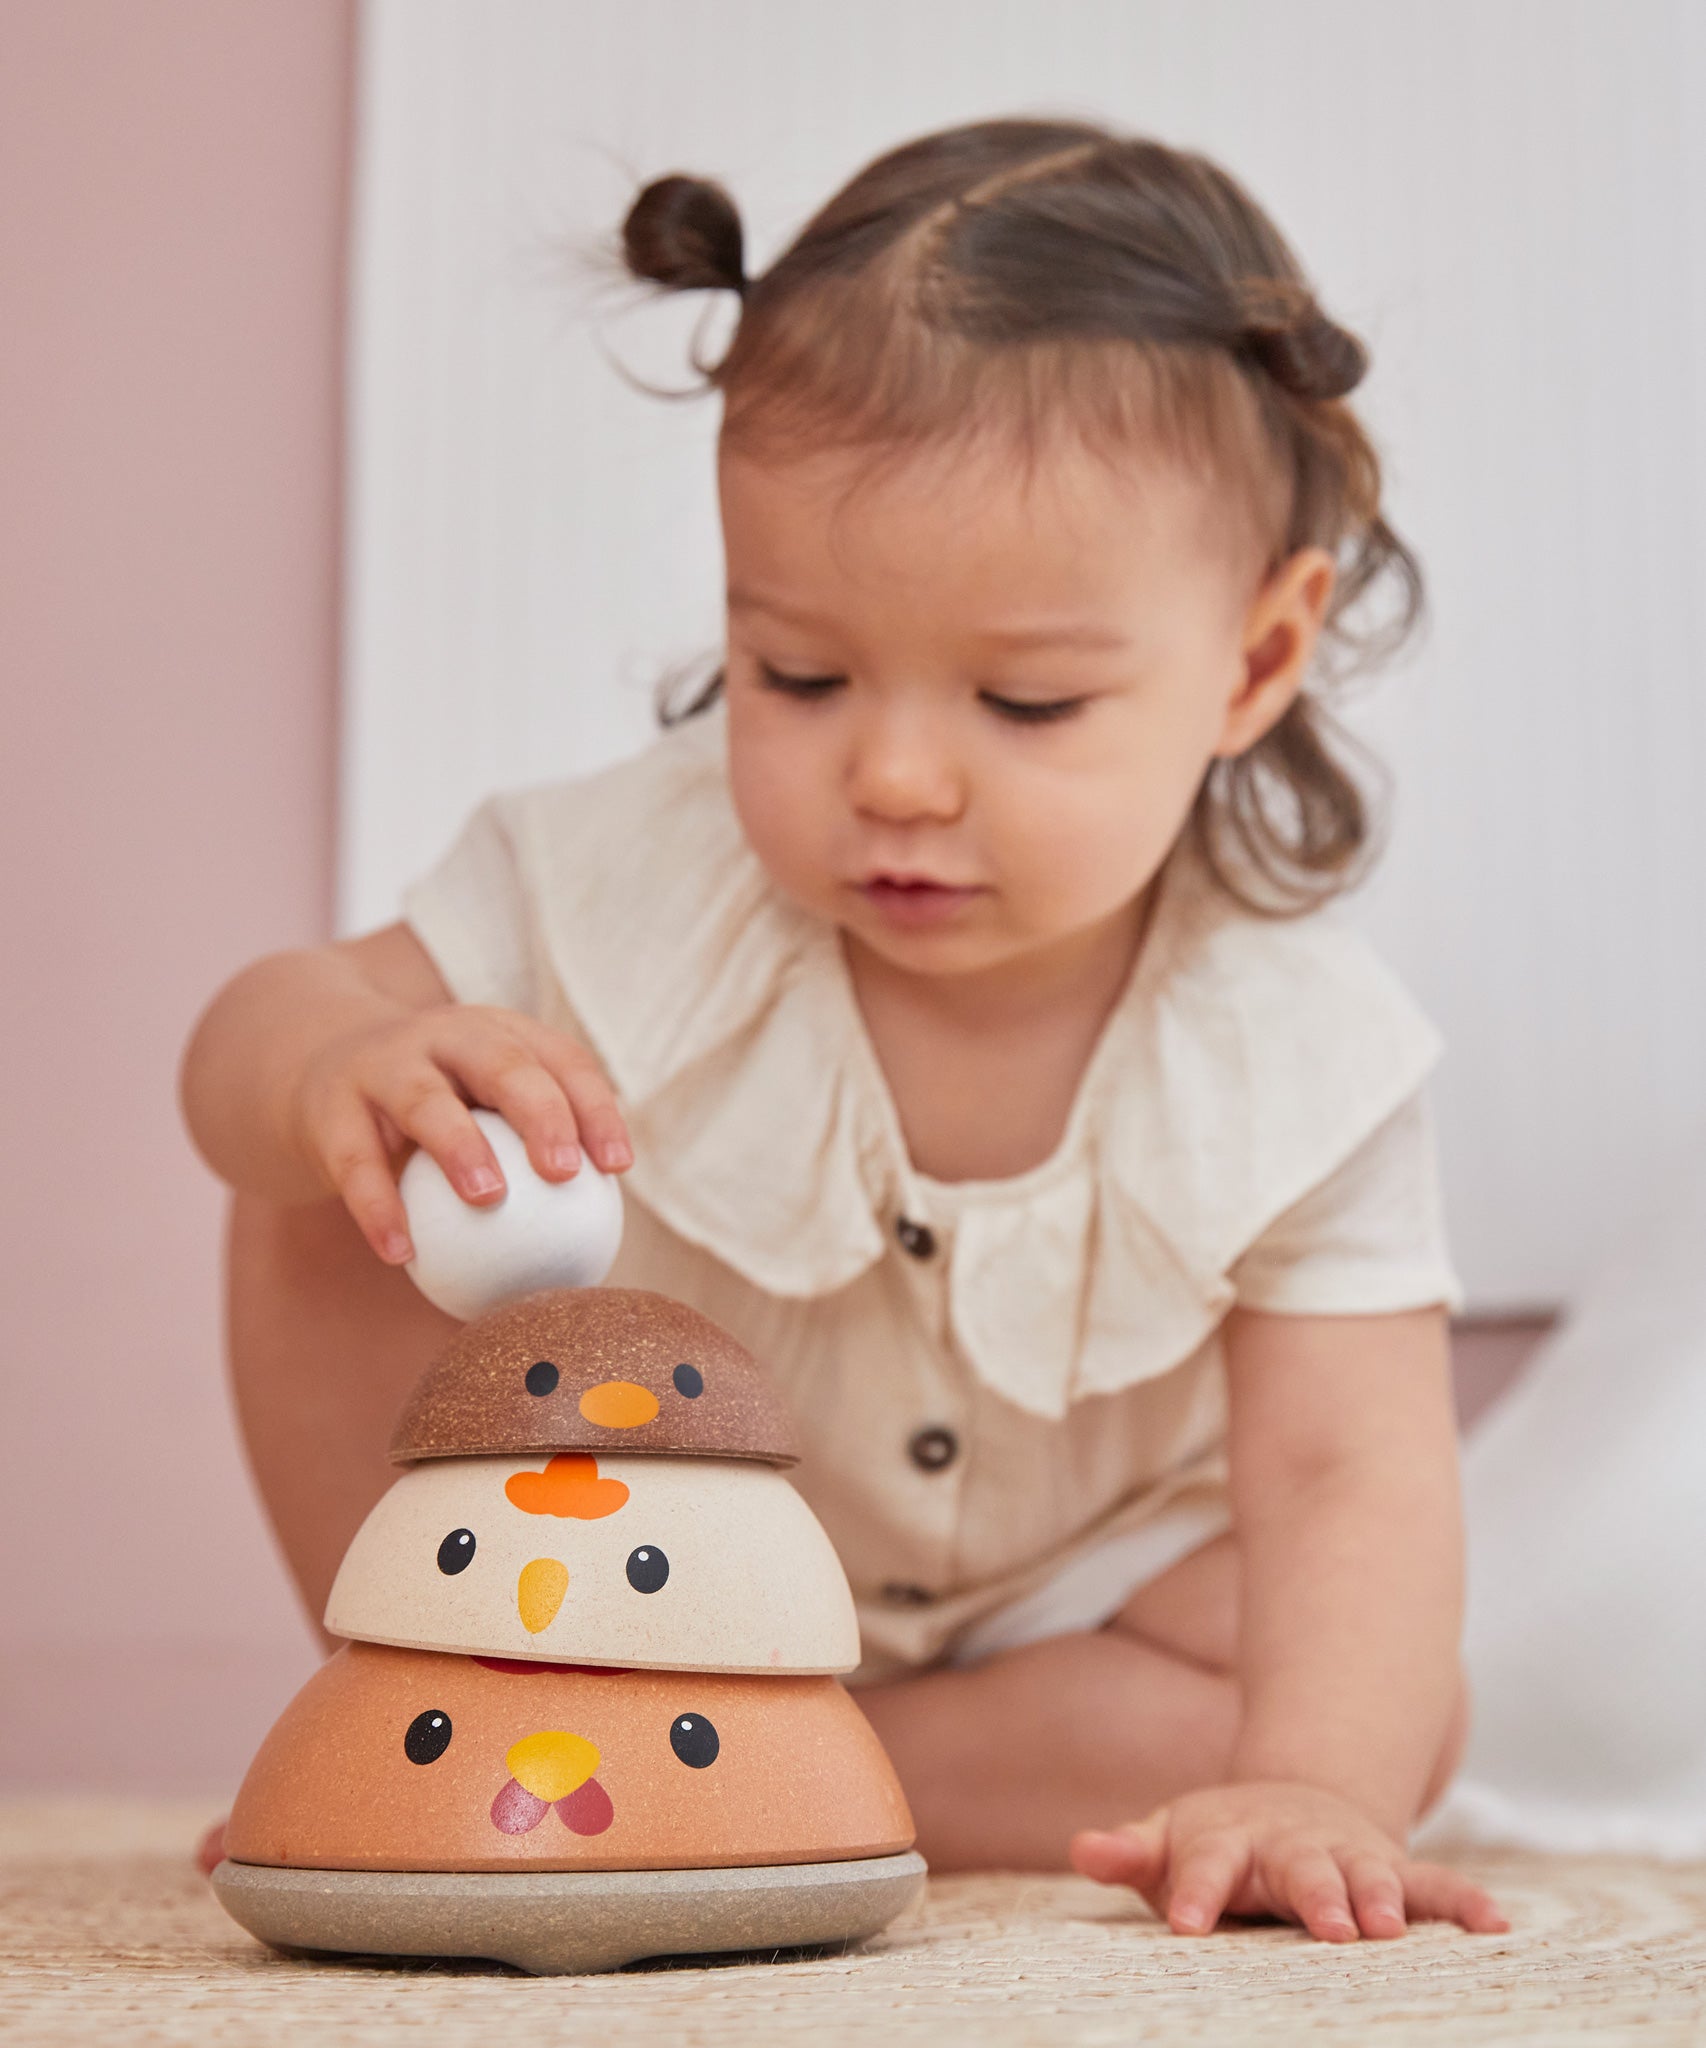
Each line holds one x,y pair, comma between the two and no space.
594,1369
409,1760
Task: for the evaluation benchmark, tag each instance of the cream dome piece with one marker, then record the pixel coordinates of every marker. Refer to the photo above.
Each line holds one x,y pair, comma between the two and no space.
651,1562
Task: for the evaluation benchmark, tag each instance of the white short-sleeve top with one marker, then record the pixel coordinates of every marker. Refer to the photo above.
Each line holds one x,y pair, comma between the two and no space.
988,1377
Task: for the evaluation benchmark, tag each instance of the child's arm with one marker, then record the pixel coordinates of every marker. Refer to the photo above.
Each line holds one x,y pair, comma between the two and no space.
1345,1500
311,1072
1343,1445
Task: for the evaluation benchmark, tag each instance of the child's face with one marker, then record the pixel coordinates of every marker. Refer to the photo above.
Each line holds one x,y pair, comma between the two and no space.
968,716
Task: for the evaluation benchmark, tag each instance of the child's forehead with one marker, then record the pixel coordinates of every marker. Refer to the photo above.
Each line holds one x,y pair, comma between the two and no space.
971,531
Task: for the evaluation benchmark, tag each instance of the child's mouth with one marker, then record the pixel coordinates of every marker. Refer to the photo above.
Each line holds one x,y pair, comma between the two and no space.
914,900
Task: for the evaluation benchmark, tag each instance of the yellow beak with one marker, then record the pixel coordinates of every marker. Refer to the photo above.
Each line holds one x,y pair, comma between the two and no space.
539,1593
552,1764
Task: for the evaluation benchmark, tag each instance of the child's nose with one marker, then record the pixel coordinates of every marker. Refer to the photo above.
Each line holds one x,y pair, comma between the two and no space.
904,769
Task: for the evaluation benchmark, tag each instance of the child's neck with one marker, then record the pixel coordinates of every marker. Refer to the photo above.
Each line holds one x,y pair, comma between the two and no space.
984,1067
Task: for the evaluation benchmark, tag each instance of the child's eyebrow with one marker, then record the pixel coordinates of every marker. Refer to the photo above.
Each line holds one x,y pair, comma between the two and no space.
740,600
1045,633
1062,634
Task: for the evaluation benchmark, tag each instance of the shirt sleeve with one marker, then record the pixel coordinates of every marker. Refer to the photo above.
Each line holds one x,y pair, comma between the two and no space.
472,914
1367,1240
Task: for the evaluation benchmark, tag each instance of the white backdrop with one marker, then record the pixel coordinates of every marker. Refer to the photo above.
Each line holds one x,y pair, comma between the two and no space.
1509,199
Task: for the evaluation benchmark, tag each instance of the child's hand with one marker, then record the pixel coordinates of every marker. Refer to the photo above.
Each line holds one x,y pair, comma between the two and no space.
364,1099
1287,1851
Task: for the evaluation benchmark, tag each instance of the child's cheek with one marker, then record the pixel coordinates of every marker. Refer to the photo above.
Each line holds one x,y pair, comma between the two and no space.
784,811
1082,860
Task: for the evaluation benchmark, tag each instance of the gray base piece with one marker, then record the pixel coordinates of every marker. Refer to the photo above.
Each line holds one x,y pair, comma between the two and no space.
568,1922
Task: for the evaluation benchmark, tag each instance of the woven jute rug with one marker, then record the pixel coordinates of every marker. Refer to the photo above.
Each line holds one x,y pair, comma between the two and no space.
107,1933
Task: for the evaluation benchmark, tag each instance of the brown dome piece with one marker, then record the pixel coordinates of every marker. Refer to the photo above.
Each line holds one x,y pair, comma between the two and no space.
598,1369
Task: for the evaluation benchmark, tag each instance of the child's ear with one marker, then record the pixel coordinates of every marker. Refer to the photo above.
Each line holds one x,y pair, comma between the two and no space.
1280,632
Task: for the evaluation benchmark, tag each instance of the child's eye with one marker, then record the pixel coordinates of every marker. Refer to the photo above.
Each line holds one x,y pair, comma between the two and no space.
1031,711
809,687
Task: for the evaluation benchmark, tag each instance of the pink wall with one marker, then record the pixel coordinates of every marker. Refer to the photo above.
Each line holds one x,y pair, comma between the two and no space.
172,188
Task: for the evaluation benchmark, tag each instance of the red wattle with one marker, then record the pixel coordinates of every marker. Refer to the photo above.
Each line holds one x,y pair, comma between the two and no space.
515,1809
587,1810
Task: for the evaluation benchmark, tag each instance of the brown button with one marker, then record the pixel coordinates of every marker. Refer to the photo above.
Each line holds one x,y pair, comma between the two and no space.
917,1238
900,1595
933,1448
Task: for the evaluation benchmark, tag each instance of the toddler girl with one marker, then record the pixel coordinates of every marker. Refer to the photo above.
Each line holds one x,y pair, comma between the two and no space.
952,984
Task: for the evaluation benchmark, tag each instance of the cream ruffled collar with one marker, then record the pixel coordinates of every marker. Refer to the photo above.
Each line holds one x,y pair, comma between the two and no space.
1245,1060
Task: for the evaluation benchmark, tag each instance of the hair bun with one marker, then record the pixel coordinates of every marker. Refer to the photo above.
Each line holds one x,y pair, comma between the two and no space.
1308,355
685,233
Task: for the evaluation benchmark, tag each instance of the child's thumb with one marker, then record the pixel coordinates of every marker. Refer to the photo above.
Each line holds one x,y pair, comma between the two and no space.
1135,1854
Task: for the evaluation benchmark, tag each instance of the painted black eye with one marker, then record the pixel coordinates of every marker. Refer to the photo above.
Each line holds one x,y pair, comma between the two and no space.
692,1738
428,1737
689,1380
456,1552
542,1378
647,1569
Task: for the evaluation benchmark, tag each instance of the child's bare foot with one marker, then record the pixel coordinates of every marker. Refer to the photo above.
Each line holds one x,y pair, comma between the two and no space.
210,1850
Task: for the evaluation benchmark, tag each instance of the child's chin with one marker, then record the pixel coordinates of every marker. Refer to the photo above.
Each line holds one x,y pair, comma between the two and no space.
958,948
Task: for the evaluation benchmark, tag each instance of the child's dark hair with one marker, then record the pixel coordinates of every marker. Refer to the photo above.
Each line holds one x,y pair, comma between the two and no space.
1012,275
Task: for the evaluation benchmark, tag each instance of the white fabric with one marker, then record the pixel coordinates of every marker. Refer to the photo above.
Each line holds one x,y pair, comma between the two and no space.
1248,1060
1091,1588
1250,1128
1586,1505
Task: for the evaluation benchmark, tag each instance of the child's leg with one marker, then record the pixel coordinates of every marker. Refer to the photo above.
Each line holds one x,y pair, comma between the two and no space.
325,1343
1004,1762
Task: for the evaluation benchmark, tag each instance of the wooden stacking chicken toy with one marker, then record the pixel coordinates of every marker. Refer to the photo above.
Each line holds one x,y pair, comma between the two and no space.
587,1711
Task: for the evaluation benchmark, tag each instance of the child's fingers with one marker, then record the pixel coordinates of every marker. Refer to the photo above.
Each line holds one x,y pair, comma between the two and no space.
1435,1893
1204,1876
1311,1886
597,1115
508,1076
427,1110
1134,1855
1377,1896
355,1160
